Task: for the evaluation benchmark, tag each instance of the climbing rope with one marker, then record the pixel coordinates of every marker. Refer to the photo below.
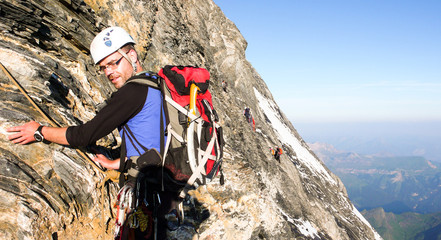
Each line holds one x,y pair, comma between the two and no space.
108,175
49,119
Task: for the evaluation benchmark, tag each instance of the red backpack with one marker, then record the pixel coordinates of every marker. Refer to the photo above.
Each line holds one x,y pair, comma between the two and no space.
193,151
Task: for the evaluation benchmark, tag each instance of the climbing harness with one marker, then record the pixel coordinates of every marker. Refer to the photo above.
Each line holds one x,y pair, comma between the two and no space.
135,211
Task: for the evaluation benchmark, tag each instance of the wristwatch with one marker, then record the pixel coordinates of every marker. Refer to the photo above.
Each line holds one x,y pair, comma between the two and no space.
38,135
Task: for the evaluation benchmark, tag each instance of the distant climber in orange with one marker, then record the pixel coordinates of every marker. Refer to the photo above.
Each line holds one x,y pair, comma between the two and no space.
276,152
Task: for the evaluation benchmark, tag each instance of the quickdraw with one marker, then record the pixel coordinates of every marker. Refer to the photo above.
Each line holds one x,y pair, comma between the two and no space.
124,206
132,211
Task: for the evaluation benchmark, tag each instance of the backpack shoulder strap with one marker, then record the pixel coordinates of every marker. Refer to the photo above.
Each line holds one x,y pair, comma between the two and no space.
153,80
146,78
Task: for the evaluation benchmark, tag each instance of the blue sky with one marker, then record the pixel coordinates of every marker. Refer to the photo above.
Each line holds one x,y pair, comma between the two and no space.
345,61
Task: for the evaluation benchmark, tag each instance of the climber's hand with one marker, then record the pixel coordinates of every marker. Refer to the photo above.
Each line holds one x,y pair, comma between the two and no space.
23,134
105,162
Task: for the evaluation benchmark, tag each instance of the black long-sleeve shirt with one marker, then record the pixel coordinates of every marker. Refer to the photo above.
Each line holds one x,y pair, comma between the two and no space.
122,105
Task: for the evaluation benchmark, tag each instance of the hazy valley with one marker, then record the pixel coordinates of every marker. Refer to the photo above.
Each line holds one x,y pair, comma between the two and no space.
405,226
399,196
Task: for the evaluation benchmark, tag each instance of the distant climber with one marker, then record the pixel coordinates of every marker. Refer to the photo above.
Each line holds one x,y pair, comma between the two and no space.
224,85
276,152
249,117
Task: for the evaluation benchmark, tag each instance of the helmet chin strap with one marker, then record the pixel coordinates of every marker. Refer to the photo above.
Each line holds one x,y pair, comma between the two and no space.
130,60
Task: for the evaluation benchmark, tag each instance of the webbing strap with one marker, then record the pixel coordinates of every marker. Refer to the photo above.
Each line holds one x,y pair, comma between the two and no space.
131,136
167,145
142,80
170,132
183,110
211,156
162,133
199,132
201,166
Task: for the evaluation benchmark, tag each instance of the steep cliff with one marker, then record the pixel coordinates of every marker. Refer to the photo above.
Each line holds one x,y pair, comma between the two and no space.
48,191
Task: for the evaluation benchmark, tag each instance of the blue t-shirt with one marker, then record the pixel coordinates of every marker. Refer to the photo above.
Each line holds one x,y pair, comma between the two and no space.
135,104
146,125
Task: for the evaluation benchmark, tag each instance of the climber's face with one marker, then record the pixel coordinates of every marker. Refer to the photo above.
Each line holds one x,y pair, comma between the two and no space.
116,68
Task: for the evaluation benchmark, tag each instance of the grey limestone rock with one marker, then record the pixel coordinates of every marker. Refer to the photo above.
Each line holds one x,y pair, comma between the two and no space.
48,191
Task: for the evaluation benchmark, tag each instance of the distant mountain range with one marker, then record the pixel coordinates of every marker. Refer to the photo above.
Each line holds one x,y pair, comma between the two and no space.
399,196
396,184
405,226
379,138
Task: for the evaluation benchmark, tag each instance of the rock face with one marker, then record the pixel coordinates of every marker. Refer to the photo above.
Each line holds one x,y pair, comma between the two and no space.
48,191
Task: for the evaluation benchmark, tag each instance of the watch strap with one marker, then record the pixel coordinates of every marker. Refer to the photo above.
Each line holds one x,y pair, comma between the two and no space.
38,135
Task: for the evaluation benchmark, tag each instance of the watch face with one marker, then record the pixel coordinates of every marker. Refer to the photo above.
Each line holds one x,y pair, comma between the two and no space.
38,137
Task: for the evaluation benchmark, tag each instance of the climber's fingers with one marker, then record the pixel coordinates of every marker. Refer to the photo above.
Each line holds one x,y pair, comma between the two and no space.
23,134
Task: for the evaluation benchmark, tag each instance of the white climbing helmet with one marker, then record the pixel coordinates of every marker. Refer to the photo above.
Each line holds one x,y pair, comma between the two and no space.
108,41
